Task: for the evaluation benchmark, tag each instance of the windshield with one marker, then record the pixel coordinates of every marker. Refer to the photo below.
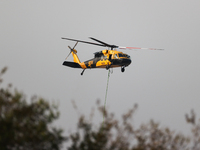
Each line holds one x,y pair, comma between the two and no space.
115,56
123,55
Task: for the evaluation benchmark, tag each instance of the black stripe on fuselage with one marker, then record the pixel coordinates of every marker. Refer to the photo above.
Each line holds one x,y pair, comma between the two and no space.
92,62
114,62
121,62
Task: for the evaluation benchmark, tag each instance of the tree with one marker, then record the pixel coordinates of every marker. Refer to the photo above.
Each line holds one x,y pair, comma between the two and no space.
192,120
122,135
27,126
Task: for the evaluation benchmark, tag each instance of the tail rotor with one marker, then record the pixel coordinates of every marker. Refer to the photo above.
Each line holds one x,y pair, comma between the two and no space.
71,49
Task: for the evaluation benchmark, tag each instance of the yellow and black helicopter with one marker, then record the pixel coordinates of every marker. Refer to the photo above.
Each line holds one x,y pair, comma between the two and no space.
103,59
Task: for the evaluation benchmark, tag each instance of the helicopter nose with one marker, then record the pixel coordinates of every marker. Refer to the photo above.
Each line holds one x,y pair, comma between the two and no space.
126,62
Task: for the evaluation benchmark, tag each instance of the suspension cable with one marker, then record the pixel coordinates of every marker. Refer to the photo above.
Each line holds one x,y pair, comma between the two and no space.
106,96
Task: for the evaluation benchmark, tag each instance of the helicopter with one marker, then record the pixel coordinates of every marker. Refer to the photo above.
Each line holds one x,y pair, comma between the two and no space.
108,58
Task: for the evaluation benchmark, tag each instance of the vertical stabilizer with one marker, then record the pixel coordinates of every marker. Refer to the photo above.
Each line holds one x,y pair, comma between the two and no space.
76,63
74,54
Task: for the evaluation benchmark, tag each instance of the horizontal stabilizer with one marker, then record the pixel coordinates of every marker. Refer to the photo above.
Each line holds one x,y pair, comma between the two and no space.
71,64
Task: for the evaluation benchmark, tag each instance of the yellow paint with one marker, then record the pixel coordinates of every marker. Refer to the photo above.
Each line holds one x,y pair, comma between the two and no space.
90,63
102,63
83,65
76,59
99,63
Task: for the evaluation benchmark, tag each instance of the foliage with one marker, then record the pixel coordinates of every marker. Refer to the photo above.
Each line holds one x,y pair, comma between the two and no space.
26,125
195,129
122,135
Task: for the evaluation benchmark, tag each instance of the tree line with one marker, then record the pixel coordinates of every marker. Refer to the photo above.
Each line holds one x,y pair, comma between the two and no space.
27,125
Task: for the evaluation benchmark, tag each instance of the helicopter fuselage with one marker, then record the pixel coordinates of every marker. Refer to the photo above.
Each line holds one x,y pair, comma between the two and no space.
103,59
108,59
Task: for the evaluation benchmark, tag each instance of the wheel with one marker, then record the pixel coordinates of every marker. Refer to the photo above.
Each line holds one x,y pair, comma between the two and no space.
82,72
123,69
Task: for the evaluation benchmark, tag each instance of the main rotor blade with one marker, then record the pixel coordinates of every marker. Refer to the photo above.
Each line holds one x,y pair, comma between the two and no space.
108,45
100,41
84,42
121,47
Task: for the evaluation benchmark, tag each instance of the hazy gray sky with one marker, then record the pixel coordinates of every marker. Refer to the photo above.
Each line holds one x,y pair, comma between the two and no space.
165,84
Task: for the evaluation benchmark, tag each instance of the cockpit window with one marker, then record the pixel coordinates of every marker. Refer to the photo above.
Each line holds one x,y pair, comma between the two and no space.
120,55
115,56
123,55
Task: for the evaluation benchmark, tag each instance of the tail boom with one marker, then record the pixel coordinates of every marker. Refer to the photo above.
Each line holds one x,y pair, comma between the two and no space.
71,64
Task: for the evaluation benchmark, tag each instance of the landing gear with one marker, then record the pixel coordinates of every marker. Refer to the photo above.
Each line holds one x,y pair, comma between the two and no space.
107,67
123,68
82,72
